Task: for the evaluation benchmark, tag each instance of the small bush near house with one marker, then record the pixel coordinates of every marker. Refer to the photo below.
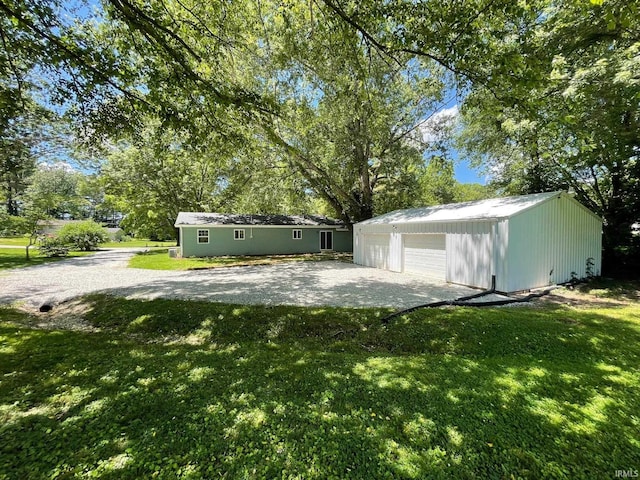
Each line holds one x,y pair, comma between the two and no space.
83,236
51,246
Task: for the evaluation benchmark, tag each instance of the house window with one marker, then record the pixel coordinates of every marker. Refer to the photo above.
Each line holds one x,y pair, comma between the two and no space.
203,236
297,234
238,234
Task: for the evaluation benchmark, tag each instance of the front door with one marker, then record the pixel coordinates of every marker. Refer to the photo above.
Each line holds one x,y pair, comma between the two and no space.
326,240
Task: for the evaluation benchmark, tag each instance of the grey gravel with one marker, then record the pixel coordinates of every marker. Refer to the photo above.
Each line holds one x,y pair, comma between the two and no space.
328,283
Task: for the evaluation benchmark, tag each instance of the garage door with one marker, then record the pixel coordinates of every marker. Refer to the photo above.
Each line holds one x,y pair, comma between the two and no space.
375,251
426,255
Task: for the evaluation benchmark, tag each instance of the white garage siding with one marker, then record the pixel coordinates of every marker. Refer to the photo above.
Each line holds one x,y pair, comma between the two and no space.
470,254
525,242
425,255
375,251
550,243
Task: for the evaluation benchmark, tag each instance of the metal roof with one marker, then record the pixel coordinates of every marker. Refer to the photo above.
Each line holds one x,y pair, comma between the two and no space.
203,219
492,208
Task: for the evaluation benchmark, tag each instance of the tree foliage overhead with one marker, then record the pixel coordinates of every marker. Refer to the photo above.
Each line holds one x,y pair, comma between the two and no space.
553,89
345,123
350,120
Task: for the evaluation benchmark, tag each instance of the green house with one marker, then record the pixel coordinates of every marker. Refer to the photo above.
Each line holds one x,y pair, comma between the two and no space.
214,234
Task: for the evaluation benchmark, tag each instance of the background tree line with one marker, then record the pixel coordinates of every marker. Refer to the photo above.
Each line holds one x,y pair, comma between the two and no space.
326,106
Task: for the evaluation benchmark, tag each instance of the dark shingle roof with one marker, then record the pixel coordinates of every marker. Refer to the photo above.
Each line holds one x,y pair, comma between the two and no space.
200,218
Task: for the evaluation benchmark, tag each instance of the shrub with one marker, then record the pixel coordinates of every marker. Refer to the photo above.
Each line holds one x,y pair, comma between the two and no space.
11,226
83,236
121,236
51,246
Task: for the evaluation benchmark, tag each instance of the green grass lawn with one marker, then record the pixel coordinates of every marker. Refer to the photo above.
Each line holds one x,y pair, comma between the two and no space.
15,257
138,242
15,241
179,389
160,260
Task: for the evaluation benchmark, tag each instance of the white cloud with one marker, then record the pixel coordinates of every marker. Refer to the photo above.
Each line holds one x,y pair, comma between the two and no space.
436,126
58,165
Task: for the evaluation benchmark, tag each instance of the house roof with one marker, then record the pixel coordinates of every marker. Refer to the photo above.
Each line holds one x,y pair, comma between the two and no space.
492,208
202,219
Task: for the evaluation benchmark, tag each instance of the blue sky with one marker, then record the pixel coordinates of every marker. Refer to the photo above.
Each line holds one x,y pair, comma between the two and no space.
432,130
465,174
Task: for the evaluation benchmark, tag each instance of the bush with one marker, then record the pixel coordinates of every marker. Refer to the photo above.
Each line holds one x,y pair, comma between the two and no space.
84,236
121,236
11,226
51,246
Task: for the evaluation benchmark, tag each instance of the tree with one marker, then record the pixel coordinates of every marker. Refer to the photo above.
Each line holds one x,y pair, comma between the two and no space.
100,206
438,182
26,133
261,181
553,89
53,190
346,124
578,129
31,128
349,122
469,192
16,161
439,185
163,174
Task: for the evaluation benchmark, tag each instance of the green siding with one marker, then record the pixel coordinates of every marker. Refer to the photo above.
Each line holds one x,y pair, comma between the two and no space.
259,241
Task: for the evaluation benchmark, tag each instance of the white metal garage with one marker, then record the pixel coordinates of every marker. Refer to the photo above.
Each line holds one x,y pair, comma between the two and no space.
519,242
425,254
376,251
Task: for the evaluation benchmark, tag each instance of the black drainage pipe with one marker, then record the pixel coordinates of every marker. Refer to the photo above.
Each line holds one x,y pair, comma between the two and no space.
464,302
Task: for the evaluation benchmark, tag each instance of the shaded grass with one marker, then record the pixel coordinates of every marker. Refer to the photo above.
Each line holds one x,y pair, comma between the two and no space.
614,289
160,260
15,257
183,389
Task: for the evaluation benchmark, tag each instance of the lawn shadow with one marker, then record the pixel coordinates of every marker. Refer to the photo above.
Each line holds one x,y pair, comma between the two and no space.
264,392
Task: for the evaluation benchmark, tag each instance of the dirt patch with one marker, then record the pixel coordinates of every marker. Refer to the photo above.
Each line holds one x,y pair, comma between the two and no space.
69,315
597,294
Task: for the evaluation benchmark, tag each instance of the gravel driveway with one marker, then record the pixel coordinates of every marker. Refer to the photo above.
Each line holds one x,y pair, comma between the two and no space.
300,283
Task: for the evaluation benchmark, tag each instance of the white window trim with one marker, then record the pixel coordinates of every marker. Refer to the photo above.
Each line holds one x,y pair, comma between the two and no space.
201,237
320,240
293,234
237,235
